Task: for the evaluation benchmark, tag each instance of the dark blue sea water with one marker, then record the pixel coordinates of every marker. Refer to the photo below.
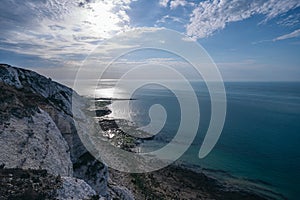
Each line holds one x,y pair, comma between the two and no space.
260,142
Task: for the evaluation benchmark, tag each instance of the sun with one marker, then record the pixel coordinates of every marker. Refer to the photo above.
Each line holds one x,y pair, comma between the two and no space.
103,19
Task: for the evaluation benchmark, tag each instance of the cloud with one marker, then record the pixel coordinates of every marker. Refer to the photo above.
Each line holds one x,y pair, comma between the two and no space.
164,3
175,3
60,30
293,34
290,21
213,15
166,18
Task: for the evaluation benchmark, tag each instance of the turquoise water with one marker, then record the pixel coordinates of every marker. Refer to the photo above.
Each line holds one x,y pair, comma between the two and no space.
260,142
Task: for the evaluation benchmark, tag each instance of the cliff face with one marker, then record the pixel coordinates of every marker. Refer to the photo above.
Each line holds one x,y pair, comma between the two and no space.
34,142
37,130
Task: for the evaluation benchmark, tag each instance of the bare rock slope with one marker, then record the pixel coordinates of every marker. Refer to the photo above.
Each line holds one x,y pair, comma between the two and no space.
37,131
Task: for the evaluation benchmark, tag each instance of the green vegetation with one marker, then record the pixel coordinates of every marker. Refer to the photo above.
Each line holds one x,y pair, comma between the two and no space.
20,184
144,185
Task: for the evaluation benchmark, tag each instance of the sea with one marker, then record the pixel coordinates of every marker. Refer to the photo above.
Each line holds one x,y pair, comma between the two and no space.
259,147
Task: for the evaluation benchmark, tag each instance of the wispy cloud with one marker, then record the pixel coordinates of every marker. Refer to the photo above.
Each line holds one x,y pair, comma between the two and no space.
176,3
173,4
166,18
212,15
293,34
164,3
290,20
60,30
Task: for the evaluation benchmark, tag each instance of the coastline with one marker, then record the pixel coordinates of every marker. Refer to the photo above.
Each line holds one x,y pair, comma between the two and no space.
174,182
177,181
40,110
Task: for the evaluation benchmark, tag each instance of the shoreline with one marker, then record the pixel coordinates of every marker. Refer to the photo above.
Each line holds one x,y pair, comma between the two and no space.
179,180
174,182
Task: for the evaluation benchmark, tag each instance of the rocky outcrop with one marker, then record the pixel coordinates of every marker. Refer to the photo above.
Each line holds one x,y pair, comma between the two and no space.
119,192
34,142
38,130
73,188
21,184
94,172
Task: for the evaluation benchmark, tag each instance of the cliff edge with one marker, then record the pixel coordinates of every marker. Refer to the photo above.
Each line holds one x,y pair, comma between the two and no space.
38,132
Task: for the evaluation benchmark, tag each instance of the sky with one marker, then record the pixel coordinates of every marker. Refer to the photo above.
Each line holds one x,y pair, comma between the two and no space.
253,40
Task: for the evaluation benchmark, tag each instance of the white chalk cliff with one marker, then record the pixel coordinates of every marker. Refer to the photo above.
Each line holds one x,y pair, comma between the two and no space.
37,131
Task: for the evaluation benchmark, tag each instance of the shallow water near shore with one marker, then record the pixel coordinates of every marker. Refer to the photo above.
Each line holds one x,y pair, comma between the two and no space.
259,146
